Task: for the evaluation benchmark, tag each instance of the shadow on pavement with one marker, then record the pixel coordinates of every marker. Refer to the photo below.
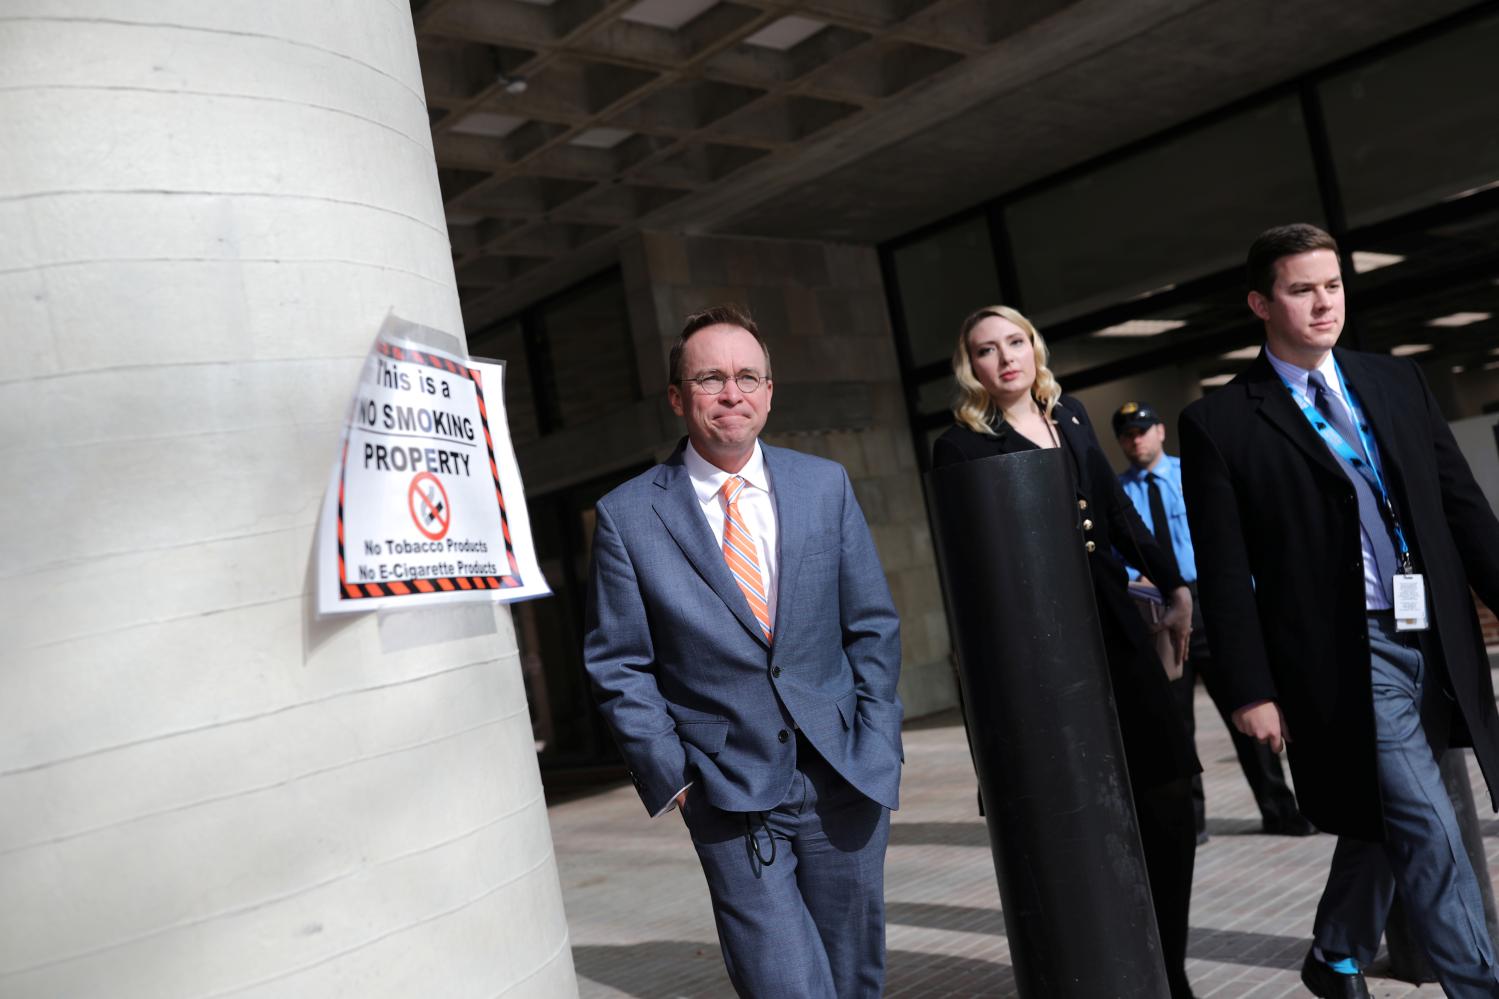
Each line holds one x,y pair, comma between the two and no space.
1255,950
1233,827
910,973
939,834
958,918
684,969
656,969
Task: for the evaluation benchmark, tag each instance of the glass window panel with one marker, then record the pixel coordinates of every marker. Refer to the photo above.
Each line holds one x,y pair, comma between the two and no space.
936,395
1178,210
1432,294
942,278
1168,389
592,354
1213,334
506,342
931,441
1418,126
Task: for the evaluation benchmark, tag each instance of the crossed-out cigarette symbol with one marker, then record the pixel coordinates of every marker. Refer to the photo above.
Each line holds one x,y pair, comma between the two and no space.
428,503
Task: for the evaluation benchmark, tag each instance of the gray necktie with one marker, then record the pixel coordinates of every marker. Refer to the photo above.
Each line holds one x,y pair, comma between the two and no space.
1335,411
1369,516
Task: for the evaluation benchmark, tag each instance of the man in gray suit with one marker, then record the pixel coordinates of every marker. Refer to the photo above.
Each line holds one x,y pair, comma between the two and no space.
744,650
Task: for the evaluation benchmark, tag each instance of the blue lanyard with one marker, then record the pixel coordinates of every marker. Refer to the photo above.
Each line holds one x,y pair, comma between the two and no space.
1368,467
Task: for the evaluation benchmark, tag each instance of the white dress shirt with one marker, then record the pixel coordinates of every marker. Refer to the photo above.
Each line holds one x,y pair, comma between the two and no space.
756,507
1297,378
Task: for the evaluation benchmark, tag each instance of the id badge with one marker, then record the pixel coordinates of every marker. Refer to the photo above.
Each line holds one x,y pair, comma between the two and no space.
1410,603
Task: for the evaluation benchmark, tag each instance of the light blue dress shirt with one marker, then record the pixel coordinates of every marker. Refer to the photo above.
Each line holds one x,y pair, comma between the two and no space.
1136,483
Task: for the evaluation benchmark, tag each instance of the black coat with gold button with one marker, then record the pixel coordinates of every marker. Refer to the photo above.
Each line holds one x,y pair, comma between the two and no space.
1156,746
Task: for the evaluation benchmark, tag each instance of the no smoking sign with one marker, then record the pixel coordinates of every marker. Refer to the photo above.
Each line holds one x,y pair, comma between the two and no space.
428,502
416,511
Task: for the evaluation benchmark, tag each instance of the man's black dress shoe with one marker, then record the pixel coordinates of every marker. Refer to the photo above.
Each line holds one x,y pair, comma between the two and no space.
1295,825
1328,984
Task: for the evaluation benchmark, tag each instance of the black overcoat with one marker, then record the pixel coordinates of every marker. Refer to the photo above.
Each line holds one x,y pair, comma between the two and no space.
1280,572
1156,746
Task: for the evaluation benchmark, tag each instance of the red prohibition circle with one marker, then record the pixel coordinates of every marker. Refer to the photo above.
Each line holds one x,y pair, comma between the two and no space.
431,513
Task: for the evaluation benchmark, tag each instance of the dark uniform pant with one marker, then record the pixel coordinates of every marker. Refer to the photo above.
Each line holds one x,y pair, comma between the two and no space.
1262,768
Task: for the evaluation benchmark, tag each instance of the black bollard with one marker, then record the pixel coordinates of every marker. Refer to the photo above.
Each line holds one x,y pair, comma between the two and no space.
1407,961
1042,729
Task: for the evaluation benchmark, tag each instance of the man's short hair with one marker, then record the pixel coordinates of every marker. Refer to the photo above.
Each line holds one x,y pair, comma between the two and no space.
727,314
1282,241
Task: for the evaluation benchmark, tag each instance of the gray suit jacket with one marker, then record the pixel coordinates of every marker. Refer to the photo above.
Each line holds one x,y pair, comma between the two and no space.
684,675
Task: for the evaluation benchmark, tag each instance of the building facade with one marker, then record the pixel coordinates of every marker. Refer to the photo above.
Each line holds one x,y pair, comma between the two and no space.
864,175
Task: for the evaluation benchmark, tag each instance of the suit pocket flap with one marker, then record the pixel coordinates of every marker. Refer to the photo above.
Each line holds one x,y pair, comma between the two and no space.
848,706
707,735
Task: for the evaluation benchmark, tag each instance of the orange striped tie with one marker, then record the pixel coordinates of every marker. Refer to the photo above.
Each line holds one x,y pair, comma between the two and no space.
739,553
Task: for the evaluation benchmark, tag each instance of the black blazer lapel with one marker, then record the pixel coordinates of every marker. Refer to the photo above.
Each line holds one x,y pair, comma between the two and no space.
1277,406
682,516
1071,429
1363,381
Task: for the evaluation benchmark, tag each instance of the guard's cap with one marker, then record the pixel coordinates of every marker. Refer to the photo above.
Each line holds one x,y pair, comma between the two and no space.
1135,414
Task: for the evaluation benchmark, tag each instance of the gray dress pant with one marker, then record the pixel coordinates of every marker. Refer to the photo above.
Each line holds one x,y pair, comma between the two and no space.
1423,849
799,891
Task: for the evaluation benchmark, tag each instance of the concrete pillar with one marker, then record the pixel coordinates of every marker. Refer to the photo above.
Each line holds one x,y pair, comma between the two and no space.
207,210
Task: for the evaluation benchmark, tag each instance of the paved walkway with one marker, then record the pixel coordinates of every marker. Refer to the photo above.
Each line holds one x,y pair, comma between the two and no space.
641,924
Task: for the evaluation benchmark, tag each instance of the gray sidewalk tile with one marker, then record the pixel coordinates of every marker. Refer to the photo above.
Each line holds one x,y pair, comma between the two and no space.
642,927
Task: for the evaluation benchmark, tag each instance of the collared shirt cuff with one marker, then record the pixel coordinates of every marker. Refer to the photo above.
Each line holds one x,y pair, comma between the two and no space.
672,801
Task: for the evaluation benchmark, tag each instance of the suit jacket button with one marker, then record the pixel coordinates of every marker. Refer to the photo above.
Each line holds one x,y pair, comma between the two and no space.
775,671
783,735
1090,546
1082,504
1087,525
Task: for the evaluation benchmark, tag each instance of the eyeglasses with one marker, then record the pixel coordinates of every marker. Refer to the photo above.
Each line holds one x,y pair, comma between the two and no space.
714,382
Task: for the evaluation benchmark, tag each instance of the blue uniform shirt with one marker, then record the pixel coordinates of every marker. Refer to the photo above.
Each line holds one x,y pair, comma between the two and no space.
1136,483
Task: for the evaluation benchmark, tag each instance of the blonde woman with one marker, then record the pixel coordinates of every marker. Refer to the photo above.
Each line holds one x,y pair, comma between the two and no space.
1008,401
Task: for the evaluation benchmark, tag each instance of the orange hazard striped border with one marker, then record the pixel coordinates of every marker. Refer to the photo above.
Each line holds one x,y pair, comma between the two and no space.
445,584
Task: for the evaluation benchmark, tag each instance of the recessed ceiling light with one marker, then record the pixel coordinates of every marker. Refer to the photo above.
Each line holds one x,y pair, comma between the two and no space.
787,33
668,14
600,138
1491,366
1365,261
1458,369
488,124
1459,319
1243,354
1407,349
1142,327
1213,381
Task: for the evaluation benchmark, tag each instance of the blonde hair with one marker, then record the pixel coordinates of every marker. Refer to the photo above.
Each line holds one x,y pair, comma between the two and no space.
973,408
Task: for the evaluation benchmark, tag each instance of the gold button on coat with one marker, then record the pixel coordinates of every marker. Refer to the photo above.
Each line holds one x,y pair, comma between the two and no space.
1082,504
1087,525
1091,546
